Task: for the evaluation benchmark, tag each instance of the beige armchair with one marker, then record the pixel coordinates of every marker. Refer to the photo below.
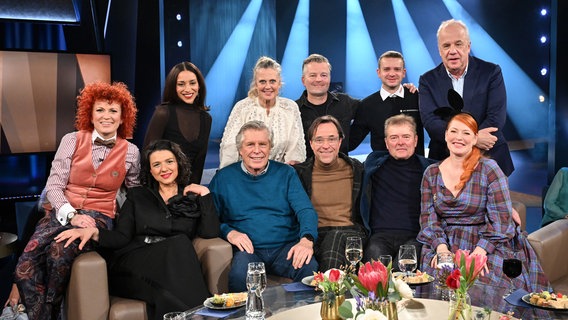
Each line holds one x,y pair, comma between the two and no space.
549,243
88,297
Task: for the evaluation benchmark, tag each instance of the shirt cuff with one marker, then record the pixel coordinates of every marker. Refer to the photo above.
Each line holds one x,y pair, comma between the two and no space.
63,212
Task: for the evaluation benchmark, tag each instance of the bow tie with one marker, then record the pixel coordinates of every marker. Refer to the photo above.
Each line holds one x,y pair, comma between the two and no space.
107,143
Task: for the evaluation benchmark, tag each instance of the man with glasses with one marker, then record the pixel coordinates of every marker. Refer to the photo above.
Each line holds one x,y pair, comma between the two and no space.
326,176
390,203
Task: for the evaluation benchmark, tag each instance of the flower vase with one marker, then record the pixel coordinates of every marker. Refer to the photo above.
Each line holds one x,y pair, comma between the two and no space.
460,306
330,308
388,308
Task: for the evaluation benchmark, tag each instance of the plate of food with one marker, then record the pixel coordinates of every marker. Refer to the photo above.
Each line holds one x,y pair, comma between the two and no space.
547,300
415,278
226,301
309,281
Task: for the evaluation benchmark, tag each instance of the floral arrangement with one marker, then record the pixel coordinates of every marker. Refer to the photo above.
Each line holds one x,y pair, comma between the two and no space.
461,279
331,283
375,291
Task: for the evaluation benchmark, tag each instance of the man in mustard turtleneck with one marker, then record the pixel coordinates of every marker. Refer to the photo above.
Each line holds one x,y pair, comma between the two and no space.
327,177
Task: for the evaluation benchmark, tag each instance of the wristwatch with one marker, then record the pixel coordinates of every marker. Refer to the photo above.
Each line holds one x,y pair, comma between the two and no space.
70,215
309,237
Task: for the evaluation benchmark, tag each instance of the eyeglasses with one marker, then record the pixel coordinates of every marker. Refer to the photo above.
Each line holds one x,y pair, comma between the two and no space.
320,140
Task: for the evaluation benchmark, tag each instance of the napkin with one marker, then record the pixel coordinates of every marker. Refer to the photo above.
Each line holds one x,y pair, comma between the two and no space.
296,286
515,298
216,313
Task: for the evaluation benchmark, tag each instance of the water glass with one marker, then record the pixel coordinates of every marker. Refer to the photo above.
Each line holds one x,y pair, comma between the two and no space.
256,283
445,259
176,315
354,250
407,258
385,259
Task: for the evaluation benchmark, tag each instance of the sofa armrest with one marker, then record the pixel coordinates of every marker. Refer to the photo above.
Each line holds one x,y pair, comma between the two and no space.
549,243
521,209
87,294
215,256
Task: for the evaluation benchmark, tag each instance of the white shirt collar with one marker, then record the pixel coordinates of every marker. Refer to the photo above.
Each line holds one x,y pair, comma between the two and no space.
97,135
461,77
250,174
385,94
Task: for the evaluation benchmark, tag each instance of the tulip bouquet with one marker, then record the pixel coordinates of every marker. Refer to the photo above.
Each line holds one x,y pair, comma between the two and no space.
331,283
374,288
461,279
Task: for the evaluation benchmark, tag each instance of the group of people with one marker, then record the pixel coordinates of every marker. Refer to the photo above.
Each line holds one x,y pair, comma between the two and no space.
287,193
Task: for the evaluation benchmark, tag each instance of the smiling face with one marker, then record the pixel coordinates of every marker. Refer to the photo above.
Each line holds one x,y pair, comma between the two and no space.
187,86
316,78
267,82
106,118
401,141
254,150
325,143
163,167
454,46
391,71
460,138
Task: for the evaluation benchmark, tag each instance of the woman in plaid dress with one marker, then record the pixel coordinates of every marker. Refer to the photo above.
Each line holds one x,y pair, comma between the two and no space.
466,205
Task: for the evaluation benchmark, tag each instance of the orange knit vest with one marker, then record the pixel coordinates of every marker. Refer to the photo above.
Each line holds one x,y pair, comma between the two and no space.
91,189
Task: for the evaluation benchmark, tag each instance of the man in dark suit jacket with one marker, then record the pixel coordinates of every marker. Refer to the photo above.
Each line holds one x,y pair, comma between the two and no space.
480,84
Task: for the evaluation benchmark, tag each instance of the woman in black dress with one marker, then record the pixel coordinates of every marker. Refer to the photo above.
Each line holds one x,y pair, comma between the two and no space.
182,116
154,259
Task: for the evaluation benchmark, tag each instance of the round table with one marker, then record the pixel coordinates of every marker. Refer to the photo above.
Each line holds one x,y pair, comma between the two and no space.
7,244
408,309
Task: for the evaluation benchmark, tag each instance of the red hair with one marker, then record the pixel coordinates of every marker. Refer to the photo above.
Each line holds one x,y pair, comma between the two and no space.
116,92
472,159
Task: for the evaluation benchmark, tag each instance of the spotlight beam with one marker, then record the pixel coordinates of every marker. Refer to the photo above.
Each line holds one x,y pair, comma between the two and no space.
297,48
225,73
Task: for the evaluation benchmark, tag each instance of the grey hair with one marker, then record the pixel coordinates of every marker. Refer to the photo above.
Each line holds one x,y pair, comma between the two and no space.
263,63
317,58
400,119
256,125
450,22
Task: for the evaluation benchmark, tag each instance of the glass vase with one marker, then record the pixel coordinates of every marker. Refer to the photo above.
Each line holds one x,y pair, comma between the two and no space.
389,310
460,306
330,308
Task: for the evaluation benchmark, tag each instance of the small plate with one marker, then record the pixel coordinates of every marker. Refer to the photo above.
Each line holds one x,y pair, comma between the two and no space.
527,298
414,284
308,281
207,303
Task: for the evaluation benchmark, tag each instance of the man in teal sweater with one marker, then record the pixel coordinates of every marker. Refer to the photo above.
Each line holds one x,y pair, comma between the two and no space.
264,211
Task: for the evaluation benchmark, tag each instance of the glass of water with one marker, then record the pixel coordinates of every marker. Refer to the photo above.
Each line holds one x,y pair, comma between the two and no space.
385,259
407,258
354,250
256,283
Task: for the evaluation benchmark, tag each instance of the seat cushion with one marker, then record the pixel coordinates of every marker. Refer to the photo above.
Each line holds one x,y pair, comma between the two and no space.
127,309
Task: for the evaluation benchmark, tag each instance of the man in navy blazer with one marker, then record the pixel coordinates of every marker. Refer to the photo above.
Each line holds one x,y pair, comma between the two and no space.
479,83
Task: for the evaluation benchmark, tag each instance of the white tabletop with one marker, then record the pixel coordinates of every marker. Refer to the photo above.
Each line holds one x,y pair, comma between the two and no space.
407,310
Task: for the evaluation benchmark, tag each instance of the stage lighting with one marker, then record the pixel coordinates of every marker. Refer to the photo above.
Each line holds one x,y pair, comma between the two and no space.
180,44
543,12
541,98
543,71
178,17
543,39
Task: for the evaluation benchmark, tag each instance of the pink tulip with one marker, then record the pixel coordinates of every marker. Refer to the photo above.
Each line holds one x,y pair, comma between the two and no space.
476,262
334,275
370,275
319,277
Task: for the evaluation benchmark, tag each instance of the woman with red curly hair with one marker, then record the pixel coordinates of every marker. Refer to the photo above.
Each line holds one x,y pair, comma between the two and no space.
89,168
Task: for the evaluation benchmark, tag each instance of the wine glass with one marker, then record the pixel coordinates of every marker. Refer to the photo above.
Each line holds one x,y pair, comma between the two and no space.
407,258
354,250
385,259
256,283
512,268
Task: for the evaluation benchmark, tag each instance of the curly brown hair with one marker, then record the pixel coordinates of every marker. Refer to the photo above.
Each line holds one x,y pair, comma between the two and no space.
184,166
116,92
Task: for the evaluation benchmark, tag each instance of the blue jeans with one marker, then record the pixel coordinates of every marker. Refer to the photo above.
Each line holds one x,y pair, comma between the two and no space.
274,261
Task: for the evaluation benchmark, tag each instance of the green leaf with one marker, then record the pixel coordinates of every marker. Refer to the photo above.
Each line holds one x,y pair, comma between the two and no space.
345,310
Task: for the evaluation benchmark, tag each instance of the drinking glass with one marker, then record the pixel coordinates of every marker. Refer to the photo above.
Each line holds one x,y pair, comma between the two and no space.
407,258
445,259
385,259
512,268
354,250
176,315
256,283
